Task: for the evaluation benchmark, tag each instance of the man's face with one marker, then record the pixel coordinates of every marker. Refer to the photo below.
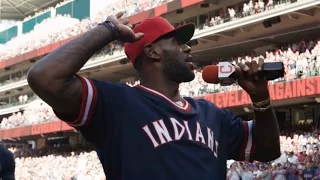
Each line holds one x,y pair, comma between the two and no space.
176,60
246,168
308,165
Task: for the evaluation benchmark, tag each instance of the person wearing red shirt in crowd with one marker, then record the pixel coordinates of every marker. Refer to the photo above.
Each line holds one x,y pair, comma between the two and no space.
301,157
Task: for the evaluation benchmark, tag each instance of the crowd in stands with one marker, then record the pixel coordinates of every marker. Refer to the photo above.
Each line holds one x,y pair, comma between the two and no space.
58,163
37,112
41,11
301,60
300,159
63,26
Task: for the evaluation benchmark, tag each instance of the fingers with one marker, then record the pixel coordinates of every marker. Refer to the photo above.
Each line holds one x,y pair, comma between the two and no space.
130,26
119,15
240,72
260,64
127,35
138,36
118,18
254,69
251,70
124,21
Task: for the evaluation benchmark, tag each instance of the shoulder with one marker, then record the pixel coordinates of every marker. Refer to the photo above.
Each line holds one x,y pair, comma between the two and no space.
208,106
109,88
203,103
107,84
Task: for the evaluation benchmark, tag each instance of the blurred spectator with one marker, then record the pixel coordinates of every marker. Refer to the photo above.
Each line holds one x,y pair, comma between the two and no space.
265,173
245,172
233,172
279,173
57,163
256,172
308,173
293,159
317,172
292,172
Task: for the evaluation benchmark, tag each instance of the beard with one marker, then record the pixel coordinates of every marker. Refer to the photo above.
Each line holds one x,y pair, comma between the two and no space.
176,69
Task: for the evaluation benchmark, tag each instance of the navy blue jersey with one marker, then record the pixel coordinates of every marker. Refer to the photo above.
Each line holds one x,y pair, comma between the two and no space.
307,174
141,134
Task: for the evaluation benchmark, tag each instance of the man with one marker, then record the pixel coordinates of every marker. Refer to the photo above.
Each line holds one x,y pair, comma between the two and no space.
256,172
317,173
7,164
233,173
245,172
149,131
292,158
292,172
265,173
279,173
308,173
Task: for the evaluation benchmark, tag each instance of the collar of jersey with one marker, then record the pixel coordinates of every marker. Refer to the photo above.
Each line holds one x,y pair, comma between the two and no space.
185,107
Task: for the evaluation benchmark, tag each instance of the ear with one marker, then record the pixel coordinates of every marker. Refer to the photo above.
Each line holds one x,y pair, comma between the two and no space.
151,52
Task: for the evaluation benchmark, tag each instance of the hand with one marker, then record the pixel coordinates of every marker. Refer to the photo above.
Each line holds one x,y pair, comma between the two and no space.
250,79
126,33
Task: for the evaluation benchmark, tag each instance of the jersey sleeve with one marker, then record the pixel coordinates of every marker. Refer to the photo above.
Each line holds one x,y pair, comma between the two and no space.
88,103
241,146
95,117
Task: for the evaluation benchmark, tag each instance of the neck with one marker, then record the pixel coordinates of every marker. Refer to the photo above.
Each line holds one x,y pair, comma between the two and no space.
168,88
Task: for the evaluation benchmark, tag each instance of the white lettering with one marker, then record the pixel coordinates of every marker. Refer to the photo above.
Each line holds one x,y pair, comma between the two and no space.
199,135
162,131
210,139
147,130
175,124
188,130
216,151
163,134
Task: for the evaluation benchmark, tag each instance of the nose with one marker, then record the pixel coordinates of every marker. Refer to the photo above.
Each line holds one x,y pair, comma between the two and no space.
186,49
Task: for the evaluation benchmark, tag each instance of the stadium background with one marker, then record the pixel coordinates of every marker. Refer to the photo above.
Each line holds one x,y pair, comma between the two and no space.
227,30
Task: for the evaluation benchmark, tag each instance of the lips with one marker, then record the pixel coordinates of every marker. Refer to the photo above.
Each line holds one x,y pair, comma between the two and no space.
189,62
189,58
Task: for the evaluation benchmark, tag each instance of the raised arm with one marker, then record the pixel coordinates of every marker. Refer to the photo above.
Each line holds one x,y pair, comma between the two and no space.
53,77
